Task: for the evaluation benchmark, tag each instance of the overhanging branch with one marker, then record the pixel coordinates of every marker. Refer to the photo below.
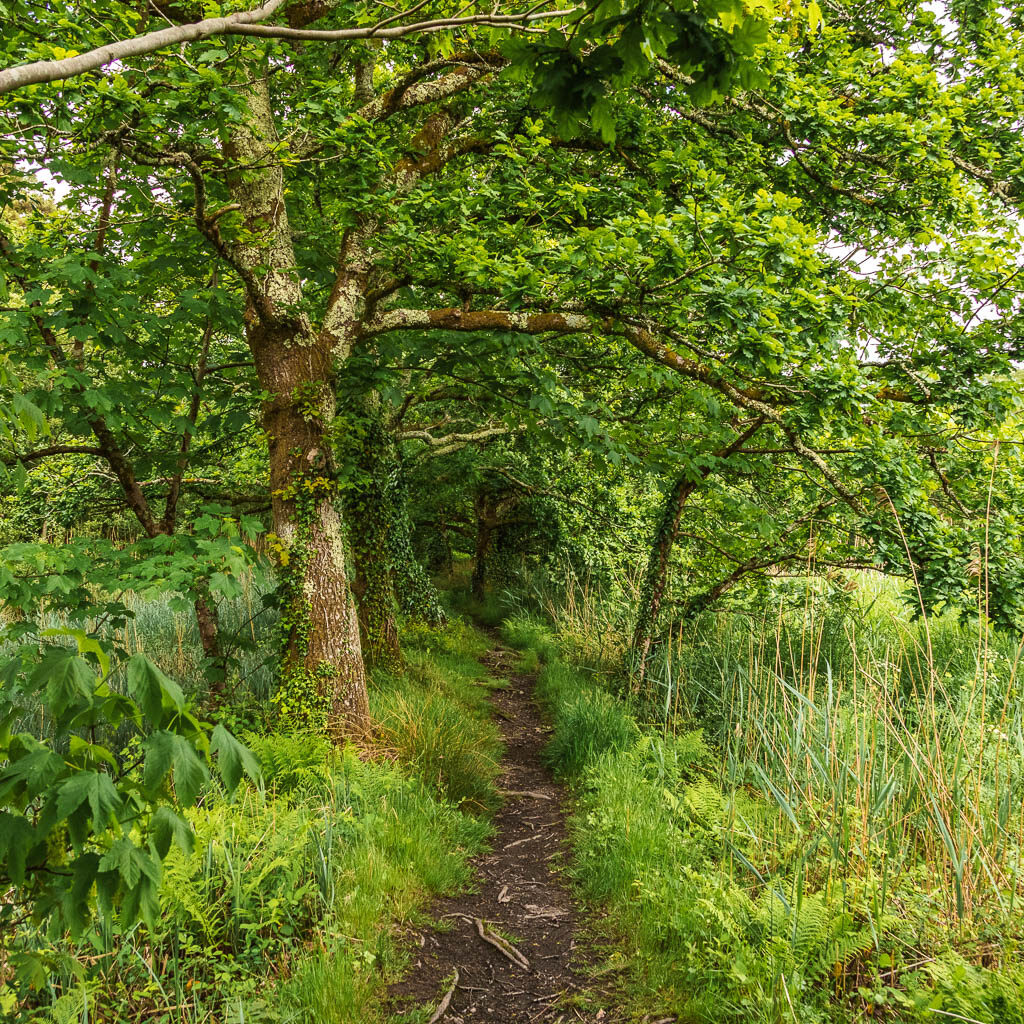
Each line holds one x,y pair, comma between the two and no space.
250,23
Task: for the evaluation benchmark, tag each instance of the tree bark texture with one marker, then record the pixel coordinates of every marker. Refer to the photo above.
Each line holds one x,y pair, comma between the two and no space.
322,679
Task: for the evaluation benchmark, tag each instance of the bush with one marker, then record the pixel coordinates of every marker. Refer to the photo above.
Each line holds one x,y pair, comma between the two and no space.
285,908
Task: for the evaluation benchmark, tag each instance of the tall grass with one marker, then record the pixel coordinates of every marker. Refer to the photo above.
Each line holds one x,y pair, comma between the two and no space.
895,743
852,842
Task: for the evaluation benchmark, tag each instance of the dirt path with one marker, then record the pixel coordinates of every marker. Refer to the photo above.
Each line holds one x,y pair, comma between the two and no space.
522,898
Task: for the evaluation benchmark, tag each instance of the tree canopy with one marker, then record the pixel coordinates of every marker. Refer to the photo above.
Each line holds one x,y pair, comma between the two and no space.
696,292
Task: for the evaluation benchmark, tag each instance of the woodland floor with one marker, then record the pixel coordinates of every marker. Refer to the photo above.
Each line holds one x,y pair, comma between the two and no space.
521,896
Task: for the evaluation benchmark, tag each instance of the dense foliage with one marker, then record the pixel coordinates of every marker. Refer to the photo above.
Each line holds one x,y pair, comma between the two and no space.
656,311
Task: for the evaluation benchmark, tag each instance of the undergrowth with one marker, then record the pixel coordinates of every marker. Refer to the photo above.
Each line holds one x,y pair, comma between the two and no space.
287,909
725,832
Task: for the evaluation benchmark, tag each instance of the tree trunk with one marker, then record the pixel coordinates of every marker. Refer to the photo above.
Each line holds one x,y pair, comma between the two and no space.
417,596
322,680
484,541
389,579
209,639
652,592
371,513
378,619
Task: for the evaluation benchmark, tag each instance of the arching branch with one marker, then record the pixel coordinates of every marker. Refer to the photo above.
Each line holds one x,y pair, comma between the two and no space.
249,23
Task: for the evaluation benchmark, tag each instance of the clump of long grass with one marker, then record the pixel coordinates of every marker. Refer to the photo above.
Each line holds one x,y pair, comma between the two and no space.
592,617
896,743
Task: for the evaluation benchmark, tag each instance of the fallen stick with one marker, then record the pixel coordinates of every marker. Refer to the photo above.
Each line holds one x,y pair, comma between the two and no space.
443,1005
533,793
503,947
528,839
502,896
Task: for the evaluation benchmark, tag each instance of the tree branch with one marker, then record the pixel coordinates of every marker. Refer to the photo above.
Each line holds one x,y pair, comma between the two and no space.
52,450
71,67
248,23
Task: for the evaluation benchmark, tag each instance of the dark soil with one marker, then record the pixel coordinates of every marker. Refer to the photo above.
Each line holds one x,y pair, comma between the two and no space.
521,896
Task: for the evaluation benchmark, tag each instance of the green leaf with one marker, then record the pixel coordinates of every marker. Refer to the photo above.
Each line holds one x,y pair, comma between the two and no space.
75,902
17,837
86,645
152,689
140,877
167,827
233,758
815,19
167,750
66,678
97,789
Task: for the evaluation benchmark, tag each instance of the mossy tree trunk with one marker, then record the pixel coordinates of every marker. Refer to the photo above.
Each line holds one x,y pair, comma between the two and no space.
481,554
655,584
491,515
322,679
370,508
652,592
389,579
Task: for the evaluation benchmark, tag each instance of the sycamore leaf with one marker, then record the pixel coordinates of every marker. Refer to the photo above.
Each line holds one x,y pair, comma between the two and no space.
65,677
233,758
86,645
97,789
150,688
166,750
75,901
17,837
166,827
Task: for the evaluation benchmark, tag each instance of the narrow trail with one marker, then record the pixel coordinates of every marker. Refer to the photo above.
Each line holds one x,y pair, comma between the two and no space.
525,968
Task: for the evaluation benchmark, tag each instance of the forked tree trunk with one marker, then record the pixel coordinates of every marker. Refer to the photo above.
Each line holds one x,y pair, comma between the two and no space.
322,680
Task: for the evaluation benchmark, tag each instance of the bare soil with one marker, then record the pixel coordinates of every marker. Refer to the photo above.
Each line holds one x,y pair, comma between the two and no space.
526,968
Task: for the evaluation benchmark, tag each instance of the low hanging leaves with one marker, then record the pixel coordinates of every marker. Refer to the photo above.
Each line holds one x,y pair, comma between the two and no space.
96,816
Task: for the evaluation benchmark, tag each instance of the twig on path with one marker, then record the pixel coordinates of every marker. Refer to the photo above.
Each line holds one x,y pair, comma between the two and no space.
534,794
501,945
528,839
503,896
443,1005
